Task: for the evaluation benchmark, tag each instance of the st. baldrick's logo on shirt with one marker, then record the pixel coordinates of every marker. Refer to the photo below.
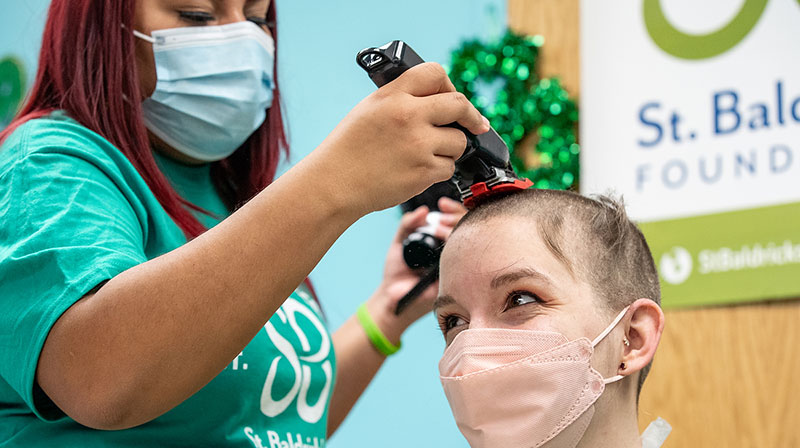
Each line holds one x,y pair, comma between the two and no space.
276,400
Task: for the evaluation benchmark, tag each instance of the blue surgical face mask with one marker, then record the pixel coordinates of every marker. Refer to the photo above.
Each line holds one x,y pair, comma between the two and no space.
214,87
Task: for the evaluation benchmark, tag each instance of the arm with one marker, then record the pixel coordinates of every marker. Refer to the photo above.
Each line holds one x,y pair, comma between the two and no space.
155,334
357,359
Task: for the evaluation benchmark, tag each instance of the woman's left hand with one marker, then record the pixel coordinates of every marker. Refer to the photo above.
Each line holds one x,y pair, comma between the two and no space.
398,278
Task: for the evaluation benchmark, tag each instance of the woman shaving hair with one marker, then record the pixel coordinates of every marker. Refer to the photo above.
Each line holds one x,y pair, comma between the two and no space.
549,304
150,268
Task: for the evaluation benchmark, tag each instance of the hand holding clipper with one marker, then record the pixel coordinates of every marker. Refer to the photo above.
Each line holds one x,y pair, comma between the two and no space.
485,168
482,171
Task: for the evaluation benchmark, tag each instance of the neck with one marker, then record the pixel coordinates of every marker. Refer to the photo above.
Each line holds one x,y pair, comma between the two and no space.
615,421
168,151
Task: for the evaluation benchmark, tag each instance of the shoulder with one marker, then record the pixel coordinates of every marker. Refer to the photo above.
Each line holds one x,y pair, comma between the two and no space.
58,137
53,164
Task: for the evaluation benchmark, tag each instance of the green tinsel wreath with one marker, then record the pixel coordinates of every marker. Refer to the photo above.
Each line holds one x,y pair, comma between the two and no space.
12,88
523,104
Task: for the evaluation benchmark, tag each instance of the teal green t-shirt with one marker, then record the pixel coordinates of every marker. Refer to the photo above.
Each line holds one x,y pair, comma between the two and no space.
74,213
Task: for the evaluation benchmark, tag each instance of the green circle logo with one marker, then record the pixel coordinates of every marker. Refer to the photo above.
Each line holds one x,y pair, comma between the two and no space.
700,46
12,88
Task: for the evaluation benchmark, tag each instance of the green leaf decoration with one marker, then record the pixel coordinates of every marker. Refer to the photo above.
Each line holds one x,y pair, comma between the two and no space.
12,88
525,109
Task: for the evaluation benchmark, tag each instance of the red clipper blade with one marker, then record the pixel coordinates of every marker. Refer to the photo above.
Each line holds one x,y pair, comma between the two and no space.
481,190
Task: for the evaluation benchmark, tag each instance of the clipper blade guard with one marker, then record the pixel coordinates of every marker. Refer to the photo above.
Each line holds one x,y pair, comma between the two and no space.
481,191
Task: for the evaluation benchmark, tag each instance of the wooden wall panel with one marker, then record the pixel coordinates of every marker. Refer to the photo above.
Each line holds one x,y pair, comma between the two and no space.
724,376
557,21
728,377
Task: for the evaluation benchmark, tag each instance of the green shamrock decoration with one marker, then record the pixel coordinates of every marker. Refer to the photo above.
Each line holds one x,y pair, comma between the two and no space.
523,104
12,88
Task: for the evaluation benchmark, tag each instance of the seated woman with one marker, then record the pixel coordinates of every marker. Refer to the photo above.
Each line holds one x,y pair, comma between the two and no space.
549,304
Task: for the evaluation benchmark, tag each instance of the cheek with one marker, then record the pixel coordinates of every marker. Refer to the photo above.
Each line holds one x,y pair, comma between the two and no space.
146,67
556,319
540,322
606,359
150,15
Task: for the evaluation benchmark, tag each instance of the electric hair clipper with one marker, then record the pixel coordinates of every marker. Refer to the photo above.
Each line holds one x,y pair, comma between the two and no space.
485,168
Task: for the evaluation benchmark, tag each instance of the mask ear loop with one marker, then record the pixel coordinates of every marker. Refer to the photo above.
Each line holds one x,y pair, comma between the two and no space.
139,35
613,379
610,327
605,333
144,37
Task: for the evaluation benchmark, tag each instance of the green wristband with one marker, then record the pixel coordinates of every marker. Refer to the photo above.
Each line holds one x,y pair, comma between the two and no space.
375,335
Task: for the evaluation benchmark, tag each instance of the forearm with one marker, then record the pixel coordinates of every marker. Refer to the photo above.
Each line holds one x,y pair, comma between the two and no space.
155,334
357,360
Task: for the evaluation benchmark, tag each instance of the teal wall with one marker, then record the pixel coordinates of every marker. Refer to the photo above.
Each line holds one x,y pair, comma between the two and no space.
405,405
21,24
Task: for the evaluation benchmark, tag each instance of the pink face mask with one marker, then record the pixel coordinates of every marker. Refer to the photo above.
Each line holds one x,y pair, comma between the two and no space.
522,388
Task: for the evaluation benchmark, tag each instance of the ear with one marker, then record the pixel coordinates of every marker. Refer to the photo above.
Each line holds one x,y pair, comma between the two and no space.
643,333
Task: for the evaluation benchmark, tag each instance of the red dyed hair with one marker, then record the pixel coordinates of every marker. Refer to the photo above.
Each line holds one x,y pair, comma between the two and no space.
85,69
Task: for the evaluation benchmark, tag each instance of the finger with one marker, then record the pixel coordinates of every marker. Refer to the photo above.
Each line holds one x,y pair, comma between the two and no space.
411,221
425,79
447,142
442,232
414,218
454,107
444,167
450,219
450,205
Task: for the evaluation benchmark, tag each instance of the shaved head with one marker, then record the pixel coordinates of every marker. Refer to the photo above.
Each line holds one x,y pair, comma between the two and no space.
592,237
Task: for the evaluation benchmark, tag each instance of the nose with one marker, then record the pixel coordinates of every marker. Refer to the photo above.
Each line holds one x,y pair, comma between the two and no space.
232,14
236,14
477,321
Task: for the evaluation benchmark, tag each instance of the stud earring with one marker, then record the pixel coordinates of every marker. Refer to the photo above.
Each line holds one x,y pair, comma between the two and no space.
622,366
626,342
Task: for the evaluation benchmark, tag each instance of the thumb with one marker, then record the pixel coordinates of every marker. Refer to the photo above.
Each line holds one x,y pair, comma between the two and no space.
411,221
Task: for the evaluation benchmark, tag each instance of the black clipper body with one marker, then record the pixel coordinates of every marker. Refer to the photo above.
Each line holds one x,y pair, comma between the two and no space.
485,168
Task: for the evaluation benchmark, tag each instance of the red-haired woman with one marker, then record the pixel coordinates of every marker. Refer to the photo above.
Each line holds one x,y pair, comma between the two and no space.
151,121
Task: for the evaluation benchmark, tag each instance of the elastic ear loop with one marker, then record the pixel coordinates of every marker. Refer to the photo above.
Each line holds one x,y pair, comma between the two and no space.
144,37
605,333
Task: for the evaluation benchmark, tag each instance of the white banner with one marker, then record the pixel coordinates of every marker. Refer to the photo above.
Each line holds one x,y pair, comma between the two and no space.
691,108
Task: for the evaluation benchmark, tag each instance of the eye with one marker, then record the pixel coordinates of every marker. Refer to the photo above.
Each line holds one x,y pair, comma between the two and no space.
520,298
260,21
449,322
196,17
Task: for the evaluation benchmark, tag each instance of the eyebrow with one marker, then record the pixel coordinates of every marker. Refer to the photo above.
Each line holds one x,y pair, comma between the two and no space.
513,276
497,282
443,301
